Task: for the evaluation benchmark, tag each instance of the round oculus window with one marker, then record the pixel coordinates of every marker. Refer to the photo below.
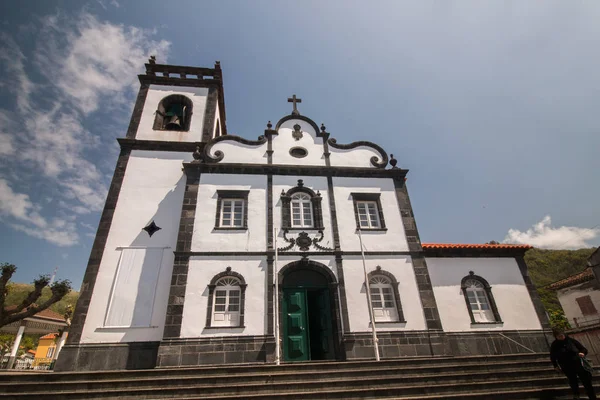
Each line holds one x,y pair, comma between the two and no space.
298,152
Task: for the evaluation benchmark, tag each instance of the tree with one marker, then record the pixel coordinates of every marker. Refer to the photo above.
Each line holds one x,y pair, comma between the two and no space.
28,306
559,320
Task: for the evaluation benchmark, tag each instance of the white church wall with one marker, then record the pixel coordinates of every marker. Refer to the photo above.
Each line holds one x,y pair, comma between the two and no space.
152,189
234,152
206,238
158,92
315,183
393,239
283,142
201,271
508,288
358,311
359,157
568,300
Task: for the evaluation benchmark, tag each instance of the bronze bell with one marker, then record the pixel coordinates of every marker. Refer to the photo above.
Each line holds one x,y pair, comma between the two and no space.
173,123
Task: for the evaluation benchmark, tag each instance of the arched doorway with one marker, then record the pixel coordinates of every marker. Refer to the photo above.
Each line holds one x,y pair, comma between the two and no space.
309,304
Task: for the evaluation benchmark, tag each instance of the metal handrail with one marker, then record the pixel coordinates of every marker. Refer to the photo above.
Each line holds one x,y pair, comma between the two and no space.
515,342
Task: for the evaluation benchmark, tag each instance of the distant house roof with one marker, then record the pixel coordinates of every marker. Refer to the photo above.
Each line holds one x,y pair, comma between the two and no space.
474,250
50,336
581,277
474,246
44,314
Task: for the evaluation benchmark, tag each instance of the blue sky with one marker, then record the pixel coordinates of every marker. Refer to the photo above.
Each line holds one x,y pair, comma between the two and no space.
491,105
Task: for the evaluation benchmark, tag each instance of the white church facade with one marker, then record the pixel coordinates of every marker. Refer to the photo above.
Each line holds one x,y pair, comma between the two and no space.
205,236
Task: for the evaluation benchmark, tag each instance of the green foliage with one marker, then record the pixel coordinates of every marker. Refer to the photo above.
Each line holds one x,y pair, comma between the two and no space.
18,292
558,319
547,266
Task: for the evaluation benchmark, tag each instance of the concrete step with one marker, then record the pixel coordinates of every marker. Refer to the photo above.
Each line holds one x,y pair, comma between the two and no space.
319,367
195,377
285,382
343,389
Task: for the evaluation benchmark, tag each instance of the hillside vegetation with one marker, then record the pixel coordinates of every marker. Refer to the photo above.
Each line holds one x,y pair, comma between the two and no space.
547,266
17,292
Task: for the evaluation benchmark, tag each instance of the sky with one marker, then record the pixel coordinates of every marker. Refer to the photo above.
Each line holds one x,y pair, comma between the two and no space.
492,106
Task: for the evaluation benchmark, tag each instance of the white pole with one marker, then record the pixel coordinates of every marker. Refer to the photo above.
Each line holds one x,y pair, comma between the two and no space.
16,344
276,300
370,304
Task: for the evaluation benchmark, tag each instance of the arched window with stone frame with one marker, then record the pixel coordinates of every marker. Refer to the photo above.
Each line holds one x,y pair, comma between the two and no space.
385,297
174,113
480,300
301,208
226,300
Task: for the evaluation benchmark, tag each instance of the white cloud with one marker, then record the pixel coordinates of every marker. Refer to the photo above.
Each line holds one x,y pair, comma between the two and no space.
6,144
19,208
90,70
544,236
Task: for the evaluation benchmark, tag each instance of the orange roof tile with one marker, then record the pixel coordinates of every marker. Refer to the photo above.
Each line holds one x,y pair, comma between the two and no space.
474,246
584,276
50,336
46,314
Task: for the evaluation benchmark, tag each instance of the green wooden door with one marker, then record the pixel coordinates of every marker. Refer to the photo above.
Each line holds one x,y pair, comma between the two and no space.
295,325
325,328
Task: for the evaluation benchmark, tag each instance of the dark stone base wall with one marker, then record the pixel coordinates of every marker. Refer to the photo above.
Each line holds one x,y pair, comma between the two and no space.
215,350
432,343
261,349
107,356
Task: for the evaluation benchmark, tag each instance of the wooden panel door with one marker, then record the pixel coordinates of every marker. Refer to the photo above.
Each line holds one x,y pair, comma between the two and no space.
295,327
325,328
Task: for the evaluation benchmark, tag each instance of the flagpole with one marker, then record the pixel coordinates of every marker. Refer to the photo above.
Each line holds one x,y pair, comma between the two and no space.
276,300
370,303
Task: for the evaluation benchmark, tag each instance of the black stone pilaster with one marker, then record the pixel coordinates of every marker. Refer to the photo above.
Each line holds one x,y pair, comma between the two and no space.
345,326
136,116
180,267
428,302
209,114
535,297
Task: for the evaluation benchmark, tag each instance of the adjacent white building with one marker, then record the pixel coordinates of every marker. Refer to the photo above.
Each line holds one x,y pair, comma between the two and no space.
201,227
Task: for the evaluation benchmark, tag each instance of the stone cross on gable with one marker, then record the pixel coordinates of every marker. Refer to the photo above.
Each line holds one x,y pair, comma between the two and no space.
294,100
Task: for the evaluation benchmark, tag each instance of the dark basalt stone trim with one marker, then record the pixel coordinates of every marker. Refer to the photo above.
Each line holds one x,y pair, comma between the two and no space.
363,143
219,154
296,170
215,350
294,253
136,115
107,356
428,301
209,115
162,80
179,276
91,272
339,266
158,145
301,118
540,310
393,344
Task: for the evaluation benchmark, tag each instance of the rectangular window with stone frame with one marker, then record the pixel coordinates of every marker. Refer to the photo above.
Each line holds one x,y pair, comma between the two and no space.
232,210
368,211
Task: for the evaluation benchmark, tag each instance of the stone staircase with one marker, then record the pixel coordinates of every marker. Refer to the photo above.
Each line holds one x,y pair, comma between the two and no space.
517,376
